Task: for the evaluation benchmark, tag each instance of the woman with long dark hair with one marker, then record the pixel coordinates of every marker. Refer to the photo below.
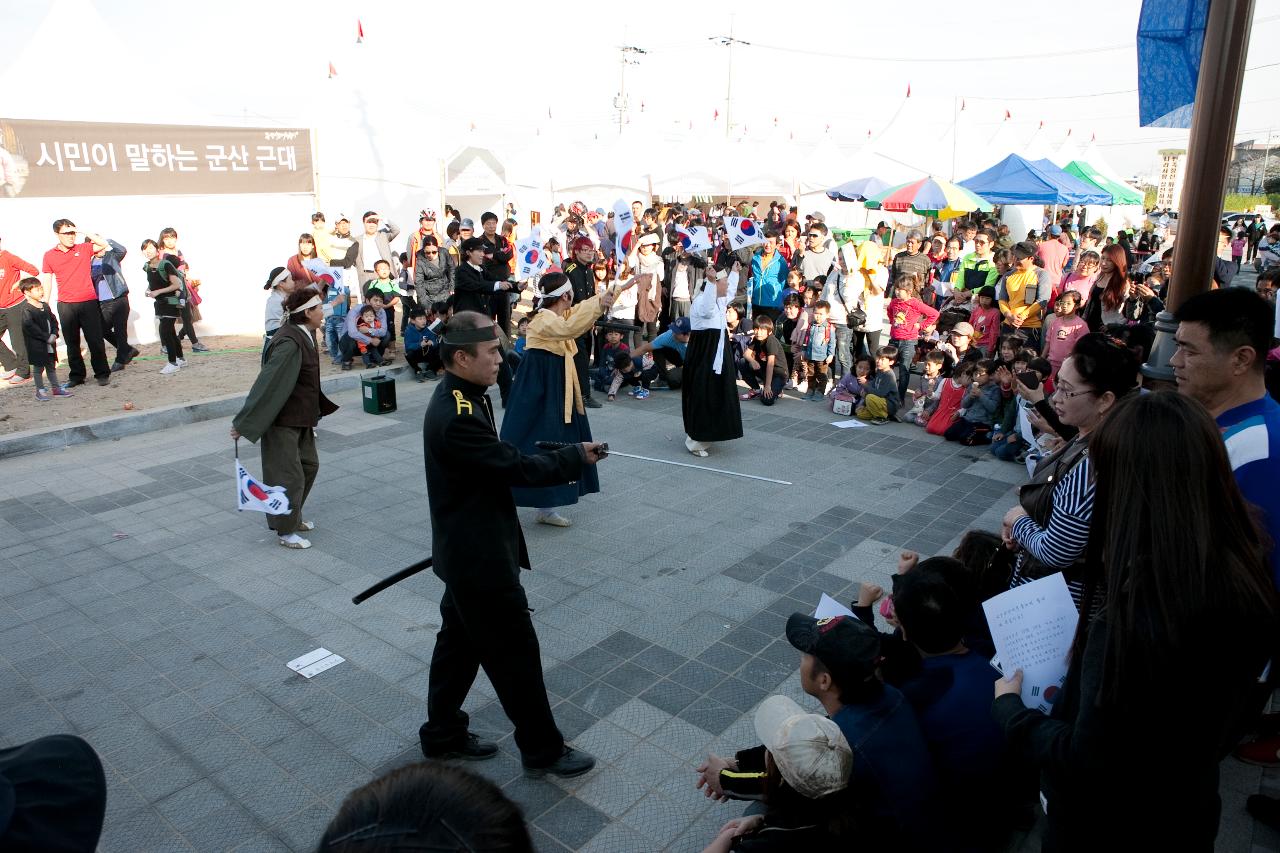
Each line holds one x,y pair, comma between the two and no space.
1164,682
1110,289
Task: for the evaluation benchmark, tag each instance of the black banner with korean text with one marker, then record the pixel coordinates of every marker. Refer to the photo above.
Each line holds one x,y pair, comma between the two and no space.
47,159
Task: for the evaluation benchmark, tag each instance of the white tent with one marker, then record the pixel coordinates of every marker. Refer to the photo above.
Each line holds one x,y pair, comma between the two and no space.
230,241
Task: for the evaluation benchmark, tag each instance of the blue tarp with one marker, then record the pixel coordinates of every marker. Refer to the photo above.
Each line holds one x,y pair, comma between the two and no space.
1170,39
1016,180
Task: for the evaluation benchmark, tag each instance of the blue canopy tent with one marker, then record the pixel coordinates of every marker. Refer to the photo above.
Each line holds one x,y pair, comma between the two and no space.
1016,180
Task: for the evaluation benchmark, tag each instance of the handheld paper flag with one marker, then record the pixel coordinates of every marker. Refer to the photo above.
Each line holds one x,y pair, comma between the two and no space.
254,496
531,260
694,238
623,219
743,232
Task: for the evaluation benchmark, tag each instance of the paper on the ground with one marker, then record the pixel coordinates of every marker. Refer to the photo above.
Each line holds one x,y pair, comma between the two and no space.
828,607
850,424
314,663
1033,626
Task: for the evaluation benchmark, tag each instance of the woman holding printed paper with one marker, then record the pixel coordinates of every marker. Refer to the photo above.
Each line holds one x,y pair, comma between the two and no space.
1165,681
545,403
709,390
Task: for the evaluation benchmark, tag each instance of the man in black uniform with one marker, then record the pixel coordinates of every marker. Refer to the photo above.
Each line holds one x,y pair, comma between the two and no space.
583,282
497,269
479,550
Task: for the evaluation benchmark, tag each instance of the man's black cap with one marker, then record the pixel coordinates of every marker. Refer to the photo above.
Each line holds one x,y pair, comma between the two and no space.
847,647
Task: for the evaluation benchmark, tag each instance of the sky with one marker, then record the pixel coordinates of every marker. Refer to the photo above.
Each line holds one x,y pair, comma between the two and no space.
447,75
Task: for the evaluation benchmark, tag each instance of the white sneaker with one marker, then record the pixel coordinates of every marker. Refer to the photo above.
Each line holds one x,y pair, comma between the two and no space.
553,518
8,374
169,369
182,362
295,541
306,526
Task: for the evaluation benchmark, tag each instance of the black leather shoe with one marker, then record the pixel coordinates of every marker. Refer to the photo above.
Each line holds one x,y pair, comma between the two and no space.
473,749
104,380
73,383
572,762
592,403
117,367
133,353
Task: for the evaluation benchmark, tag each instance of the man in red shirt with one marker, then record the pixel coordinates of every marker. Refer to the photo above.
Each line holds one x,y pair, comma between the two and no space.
12,270
1054,254
70,264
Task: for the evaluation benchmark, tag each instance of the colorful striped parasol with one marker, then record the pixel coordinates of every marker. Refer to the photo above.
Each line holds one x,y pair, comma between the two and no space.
929,197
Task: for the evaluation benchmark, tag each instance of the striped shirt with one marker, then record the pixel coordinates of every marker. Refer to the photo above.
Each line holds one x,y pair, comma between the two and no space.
1062,543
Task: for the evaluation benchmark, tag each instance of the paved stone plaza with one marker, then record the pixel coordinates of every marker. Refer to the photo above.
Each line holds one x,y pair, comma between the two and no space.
138,609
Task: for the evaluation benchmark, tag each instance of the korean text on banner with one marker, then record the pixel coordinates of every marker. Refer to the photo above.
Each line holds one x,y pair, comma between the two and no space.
69,158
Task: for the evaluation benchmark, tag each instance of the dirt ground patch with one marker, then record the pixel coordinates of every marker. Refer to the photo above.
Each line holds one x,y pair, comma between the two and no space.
229,368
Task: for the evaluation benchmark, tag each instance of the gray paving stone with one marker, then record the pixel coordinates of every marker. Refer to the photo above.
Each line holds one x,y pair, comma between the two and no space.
572,822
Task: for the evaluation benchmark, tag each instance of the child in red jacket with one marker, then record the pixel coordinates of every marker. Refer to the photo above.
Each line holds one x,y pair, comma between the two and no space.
909,318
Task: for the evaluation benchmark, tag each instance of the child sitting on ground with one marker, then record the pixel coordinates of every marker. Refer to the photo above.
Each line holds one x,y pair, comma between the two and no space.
624,370
420,346
369,326
881,399
972,424
930,388
607,363
853,386
952,392
39,331
819,350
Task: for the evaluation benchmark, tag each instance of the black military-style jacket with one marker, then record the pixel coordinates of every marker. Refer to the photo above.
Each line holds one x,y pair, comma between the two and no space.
475,533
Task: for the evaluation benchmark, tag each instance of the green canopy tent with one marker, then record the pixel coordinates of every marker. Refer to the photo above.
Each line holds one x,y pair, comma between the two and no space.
1122,193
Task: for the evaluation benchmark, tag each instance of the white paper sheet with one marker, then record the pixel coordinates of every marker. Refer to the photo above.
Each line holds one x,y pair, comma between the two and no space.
314,663
828,607
851,424
1033,626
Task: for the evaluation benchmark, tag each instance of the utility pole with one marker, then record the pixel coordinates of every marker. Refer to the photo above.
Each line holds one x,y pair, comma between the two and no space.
628,55
728,41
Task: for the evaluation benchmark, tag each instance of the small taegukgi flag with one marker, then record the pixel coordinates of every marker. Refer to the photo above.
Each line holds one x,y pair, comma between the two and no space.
694,238
530,257
359,32
333,72
743,232
254,496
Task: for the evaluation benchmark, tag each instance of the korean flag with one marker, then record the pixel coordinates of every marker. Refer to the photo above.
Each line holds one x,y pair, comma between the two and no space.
694,238
254,496
743,232
623,219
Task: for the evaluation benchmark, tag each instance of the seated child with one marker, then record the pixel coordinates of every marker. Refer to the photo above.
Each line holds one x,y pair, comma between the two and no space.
624,370
881,400
852,386
972,424
645,370
953,390
368,325
602,373
764,364
930,390
421,346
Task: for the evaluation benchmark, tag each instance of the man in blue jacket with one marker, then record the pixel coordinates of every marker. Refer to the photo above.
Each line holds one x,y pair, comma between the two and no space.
113,301
768,279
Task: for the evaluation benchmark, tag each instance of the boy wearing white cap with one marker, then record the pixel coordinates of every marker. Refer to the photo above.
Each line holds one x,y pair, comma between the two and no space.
801,770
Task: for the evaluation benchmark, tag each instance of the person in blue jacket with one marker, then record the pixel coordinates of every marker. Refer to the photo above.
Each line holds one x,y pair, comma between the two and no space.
768,279
113,301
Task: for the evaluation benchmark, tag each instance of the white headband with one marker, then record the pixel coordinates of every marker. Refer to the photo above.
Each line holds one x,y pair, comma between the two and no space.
283,276
310,303
559,291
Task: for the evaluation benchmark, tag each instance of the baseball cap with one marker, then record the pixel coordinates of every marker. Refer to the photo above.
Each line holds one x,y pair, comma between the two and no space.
342,217
467,225
680,326
649,240
1055,230
818,216
847,647
811,752
962,328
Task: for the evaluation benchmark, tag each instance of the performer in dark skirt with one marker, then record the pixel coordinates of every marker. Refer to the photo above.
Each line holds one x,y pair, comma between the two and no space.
545,403
709,399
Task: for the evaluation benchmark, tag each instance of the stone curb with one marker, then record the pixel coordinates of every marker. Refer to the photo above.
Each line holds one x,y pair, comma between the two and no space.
118,426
